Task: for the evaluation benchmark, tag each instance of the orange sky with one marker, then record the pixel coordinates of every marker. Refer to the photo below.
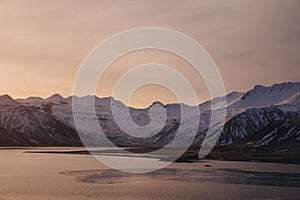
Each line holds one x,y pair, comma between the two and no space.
44,42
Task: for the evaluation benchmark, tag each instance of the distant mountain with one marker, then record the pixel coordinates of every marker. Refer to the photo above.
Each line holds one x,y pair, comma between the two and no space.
251,116
30,126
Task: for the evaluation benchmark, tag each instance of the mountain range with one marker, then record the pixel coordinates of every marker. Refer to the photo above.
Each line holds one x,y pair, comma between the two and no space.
259,120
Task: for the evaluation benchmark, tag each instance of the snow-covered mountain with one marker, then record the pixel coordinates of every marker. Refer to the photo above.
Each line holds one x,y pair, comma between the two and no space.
38,121
30,126
261,96
6,100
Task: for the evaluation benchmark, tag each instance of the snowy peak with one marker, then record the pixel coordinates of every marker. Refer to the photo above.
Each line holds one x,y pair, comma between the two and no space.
6,100
261,96
279,87
56,98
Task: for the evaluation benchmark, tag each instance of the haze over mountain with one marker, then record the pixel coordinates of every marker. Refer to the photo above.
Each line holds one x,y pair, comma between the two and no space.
265,117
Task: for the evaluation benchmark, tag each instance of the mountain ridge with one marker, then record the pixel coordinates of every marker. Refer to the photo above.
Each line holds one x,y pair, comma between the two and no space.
257,87
35,121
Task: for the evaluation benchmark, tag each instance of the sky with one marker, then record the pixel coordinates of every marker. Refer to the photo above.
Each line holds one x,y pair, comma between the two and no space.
43,43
